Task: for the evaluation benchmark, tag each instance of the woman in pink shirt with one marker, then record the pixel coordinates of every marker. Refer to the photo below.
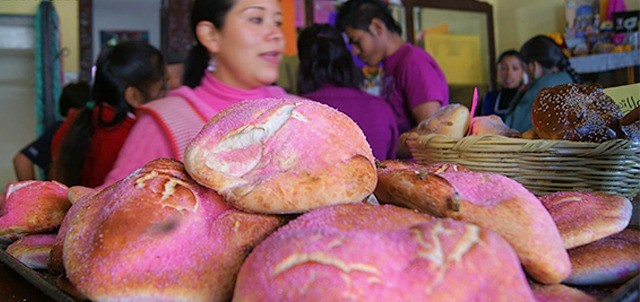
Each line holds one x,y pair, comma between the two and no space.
240,43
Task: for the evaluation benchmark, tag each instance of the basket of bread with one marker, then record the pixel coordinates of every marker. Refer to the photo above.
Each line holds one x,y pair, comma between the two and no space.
282,200
577,143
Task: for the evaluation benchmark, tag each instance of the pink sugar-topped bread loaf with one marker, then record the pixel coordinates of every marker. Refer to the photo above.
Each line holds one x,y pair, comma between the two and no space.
32,250
157,235
491,125
361,252
612,260
31,207
282,156
503,205
584,217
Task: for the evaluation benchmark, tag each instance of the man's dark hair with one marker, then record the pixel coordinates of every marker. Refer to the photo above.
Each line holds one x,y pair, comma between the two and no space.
358,14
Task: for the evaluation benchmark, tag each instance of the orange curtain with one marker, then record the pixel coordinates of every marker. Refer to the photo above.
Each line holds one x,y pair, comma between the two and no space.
289,26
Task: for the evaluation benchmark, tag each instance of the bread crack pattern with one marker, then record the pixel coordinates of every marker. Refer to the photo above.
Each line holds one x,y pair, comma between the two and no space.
242,150
432,249
168,190
324,259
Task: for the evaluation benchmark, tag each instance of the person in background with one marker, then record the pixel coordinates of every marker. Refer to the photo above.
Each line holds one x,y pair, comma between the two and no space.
511,77
175,70
239,47
38,152
85,147
546,66
413,84
328,75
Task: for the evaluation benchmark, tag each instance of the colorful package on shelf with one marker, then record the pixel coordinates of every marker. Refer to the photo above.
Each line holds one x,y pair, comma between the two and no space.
625,28
583,19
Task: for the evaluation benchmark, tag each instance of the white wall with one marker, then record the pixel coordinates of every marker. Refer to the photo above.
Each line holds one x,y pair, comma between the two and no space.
126,15
17,93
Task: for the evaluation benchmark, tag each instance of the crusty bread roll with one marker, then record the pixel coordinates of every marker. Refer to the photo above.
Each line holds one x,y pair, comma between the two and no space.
32,250
360,252
157,235
576,112
559,292
413,186
282,156
451,120
491,125
435,167
76,192
609,261
584,217
503,205
31,207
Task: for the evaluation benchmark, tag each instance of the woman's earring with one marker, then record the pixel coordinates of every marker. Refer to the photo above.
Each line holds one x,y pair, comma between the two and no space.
212,65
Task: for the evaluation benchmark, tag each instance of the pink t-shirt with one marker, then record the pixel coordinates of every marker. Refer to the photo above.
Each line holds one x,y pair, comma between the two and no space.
412,77
147,140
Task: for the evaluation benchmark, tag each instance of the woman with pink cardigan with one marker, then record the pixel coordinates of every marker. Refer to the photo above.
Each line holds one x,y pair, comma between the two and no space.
239,46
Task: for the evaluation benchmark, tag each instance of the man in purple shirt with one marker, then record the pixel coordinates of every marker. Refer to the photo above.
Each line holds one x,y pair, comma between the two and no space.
413,84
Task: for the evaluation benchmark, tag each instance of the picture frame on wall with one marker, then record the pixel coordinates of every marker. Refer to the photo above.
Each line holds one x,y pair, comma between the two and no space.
112,37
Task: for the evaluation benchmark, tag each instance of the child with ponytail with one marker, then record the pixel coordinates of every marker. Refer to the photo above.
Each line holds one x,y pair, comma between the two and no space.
87,144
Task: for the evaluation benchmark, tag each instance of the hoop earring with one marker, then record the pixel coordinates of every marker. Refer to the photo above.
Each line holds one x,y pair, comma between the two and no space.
212,65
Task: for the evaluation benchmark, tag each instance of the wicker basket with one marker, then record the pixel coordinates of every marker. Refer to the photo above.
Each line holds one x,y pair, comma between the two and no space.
542,166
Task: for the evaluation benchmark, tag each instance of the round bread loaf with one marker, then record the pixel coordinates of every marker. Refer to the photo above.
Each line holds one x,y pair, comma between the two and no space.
608,261
491,125
32,250
584,217
362,252
282,156
31,207
157,235
451,120
576,112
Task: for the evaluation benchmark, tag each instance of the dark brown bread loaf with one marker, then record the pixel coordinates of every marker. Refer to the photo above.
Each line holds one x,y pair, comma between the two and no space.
577,113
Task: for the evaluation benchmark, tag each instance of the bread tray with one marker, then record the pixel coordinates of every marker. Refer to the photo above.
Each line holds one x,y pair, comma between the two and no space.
56,287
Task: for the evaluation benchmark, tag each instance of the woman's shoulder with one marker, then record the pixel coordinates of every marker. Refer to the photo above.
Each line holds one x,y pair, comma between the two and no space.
556,78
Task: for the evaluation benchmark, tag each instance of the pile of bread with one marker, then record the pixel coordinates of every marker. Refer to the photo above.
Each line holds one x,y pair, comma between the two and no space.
282,200
571,112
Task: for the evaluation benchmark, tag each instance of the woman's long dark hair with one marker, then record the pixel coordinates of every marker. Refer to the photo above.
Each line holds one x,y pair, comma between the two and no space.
128,64
215,12
548,53
325,59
